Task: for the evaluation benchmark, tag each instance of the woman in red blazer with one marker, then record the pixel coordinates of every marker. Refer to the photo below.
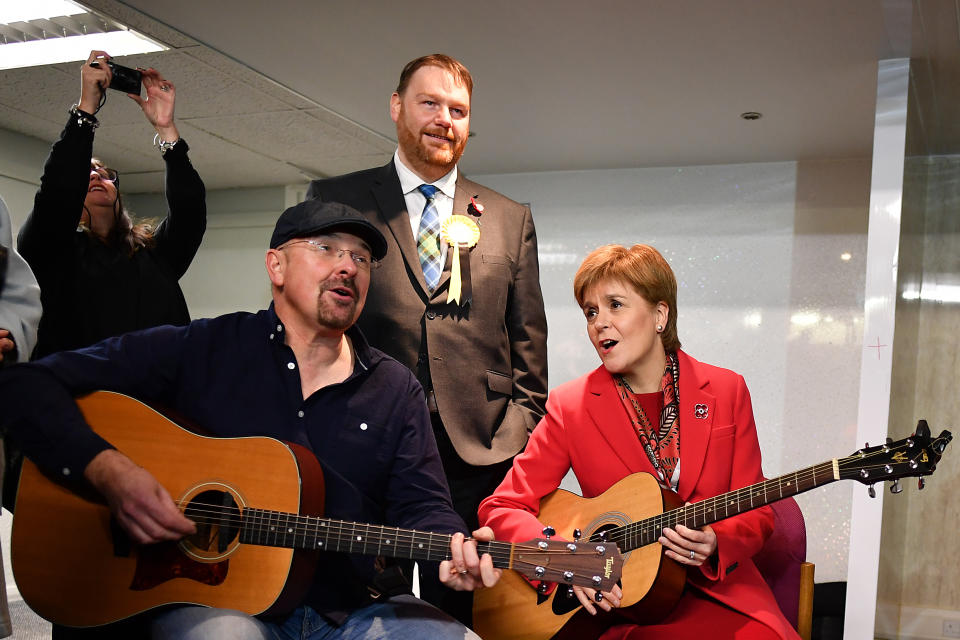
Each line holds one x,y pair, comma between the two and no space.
651,407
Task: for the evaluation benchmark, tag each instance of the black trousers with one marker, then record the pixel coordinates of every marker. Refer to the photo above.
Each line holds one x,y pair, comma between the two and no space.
469,485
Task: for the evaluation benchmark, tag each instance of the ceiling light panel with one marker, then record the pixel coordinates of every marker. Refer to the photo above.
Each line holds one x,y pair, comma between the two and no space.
61,31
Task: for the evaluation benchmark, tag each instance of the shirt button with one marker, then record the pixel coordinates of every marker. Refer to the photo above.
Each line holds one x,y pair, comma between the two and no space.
279,327
363,426
66,471
299,414
431,315
291,366
271,336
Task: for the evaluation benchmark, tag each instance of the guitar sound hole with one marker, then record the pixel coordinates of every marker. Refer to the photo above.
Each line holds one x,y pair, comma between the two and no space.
564,601
217,517
596,536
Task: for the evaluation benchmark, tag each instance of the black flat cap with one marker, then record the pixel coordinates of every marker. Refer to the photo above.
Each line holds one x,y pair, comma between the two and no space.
313,216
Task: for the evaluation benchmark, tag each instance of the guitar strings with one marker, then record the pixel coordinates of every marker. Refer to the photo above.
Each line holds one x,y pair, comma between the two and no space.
341,533
215,514
302,526
643,532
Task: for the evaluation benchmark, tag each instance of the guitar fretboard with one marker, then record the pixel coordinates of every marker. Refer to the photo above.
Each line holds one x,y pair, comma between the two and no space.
643,532
585,564
280,529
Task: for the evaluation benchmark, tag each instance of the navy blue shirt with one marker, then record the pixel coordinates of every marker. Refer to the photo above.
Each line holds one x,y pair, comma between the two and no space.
235,376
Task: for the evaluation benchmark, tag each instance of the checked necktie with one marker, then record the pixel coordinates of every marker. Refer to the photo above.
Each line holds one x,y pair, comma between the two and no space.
428,238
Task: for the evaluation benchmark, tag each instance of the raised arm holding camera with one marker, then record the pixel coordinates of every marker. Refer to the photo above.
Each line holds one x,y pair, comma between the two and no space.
100,275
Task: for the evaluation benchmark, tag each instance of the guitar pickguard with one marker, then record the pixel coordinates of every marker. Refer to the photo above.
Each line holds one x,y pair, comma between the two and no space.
158,563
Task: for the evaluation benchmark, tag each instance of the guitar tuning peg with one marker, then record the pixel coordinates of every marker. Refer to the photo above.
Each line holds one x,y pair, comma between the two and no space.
895,487
871,491
921,483
569,592
549,531
577,534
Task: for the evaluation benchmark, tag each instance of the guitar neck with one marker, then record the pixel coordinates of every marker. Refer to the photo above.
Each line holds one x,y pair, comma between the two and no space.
294,531
699,514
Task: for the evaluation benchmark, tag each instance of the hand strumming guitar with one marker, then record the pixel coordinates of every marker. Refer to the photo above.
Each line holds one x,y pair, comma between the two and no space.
140,504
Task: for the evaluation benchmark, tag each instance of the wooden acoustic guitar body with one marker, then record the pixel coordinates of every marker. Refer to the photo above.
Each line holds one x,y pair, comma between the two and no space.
76,567
651,583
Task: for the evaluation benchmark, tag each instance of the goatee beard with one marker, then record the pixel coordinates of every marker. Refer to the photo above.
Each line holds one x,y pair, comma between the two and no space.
335,315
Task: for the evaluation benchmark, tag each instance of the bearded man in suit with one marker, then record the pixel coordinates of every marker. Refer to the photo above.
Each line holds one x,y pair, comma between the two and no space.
481,356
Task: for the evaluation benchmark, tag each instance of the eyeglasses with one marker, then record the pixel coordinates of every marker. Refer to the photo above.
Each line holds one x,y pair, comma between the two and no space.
362,259
106,173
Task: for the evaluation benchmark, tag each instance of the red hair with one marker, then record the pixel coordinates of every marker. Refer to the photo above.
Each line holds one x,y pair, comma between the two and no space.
459,72
642,267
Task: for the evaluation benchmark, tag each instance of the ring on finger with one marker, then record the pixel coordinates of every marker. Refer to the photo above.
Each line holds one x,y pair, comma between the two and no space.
693,555
164,87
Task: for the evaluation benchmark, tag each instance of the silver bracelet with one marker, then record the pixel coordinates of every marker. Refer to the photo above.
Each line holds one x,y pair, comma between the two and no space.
163,145
84,118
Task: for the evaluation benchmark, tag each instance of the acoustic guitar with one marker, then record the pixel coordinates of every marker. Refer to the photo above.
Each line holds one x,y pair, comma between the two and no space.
257,503
633,512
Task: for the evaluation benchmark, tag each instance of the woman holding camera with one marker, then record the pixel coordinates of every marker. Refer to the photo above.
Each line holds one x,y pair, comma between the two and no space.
100,275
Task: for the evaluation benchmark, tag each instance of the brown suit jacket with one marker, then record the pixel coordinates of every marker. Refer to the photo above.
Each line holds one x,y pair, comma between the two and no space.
486,364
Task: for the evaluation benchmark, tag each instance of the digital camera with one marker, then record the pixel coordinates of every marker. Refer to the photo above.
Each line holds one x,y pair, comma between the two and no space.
124,79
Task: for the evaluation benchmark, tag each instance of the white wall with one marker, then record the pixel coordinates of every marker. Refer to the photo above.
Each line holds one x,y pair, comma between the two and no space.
21,163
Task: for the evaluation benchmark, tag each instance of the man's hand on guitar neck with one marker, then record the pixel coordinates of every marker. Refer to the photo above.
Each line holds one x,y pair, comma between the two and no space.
139,503
466,571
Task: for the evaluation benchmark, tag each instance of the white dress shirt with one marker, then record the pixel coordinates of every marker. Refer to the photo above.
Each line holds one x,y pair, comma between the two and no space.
443,199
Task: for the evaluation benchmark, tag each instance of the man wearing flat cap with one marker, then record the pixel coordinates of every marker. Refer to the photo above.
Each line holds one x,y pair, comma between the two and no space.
299,371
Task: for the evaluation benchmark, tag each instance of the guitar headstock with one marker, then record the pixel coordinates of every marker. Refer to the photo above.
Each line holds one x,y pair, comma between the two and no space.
586,564
917,456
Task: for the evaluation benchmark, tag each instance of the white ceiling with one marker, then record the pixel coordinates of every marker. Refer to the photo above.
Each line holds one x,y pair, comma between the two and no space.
277,92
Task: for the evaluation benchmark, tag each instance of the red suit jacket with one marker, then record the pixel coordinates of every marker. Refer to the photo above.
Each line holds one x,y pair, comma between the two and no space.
587,429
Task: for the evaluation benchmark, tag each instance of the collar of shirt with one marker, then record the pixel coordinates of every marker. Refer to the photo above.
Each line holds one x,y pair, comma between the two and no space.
409,181
363,357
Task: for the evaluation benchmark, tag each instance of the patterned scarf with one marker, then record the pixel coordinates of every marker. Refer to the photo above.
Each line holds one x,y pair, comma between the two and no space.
661,445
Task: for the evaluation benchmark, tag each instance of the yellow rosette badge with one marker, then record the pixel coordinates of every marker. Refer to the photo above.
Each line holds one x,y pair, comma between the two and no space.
460,233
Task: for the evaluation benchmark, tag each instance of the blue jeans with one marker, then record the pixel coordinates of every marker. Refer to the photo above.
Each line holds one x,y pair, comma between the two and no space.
399,618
